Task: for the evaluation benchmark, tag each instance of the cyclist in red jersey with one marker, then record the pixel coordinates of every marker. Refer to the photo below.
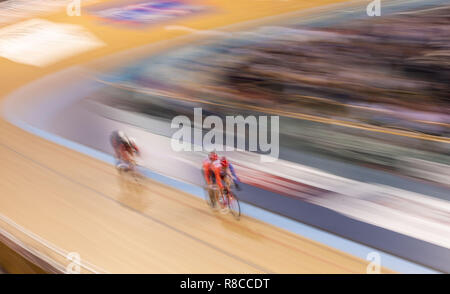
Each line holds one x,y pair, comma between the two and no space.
225,172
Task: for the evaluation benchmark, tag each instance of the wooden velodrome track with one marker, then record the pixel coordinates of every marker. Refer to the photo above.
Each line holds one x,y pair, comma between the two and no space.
54,200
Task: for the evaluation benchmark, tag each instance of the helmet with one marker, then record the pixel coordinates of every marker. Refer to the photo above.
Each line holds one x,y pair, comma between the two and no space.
213,156
224,162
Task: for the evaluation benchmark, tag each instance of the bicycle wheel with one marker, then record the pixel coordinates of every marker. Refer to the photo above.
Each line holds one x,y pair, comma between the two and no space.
233,204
